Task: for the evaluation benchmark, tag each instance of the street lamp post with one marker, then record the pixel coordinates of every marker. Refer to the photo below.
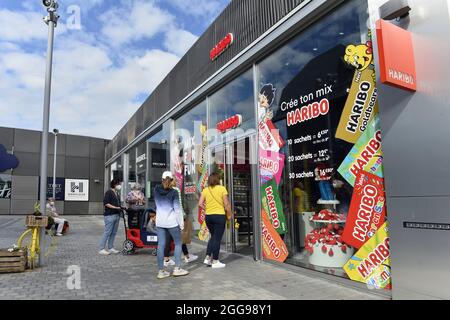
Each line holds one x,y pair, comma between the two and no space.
51,20
55,132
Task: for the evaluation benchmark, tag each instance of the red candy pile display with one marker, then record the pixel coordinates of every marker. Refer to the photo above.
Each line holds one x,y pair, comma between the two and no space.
327,215
328,236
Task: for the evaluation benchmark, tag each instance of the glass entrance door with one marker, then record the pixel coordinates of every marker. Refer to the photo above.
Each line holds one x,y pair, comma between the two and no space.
234,162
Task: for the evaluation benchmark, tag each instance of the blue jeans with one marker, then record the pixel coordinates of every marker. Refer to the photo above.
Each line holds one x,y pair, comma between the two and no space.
216,225
176,236
111,226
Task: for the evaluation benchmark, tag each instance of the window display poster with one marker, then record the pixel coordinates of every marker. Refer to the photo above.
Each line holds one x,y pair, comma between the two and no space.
366,155
5,186
271,165
77,190
159,158
361,105
371,264
367,210
274,247
271,203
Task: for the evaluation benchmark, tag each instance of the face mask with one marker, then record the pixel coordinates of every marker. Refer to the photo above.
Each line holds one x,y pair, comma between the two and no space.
118,187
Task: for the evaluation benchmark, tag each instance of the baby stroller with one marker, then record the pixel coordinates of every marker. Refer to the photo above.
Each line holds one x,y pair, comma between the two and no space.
140,230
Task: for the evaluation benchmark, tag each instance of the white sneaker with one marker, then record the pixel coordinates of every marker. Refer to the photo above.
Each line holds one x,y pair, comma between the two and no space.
178,272
59,235
113,251
207,261
218,265
192,258
104,252
162,274
169,263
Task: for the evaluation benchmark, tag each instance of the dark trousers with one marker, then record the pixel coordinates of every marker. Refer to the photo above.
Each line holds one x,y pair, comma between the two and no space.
167,248
216,226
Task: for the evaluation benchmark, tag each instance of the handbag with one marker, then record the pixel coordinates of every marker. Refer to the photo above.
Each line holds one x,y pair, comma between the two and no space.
186,234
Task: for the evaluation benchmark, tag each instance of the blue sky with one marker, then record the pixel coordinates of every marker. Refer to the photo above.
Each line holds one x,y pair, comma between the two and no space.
109,56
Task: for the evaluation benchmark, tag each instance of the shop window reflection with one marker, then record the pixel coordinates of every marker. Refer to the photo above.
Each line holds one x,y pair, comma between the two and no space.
189,130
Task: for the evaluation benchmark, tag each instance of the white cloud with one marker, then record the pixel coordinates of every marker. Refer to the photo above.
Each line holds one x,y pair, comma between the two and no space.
23,26
135,21
99,77
90,95
200,8
179,41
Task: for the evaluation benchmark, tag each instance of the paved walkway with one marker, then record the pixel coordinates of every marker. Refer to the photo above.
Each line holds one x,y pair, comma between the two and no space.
134,277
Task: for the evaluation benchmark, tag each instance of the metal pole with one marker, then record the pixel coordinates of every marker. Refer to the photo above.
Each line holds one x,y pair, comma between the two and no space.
46,119
54,167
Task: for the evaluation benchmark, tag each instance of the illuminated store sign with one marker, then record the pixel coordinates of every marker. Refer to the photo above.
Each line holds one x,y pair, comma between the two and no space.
230,123
398,70
221,46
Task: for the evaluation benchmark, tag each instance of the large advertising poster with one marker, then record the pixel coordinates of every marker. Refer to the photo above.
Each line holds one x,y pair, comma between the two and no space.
326,130
367,210
274,247
366,155
371,264
77,190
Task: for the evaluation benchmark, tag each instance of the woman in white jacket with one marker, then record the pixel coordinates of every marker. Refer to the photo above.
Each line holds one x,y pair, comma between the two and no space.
169,219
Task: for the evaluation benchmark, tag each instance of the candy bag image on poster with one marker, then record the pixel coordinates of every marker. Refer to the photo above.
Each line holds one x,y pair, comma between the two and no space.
371,264
360,108
274,247
271,203
366,155
367,210
271,165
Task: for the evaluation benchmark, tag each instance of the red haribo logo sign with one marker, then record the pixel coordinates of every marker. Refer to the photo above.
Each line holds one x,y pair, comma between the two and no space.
396,69
221,46
230,123
367,211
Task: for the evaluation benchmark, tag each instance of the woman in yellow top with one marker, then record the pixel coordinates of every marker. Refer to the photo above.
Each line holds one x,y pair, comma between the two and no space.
218,210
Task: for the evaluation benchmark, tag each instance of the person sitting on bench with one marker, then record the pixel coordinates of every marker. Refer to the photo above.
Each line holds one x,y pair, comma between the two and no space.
51,211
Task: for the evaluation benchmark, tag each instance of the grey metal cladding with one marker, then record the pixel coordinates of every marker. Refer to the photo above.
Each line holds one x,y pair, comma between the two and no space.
5,206
199,65
162,98
77,168
27,141
61,144
131,129
97,148
22,207
76,208
419,260
149,107
28,164
139,121
60,166
95,208
246,19
177,81
25,187
96,189
77,146
7,137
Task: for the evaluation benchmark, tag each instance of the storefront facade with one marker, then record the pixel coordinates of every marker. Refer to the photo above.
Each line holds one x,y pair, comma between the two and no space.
292,116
